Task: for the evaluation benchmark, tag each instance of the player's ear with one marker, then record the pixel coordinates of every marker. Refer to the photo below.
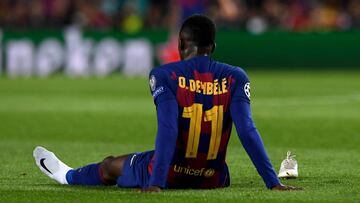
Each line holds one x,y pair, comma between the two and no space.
181,44
181,48
213,47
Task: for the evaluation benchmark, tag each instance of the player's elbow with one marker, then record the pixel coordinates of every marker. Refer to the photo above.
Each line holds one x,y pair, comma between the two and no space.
248,134
168,131
246,126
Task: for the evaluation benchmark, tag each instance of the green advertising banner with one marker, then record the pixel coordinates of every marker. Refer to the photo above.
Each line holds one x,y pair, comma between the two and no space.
97,52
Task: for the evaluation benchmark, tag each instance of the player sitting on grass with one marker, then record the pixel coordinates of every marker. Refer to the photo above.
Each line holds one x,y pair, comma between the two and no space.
197,100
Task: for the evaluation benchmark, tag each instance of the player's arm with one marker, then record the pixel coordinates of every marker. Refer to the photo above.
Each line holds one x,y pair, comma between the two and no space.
167,114
251,140
248,134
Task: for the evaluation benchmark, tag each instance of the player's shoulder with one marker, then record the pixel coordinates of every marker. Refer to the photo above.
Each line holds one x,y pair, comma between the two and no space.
241,82
162,76
235,71
165,69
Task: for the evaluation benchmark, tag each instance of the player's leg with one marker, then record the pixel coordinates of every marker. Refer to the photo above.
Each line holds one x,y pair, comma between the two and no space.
112,168
136,170
103,173
129,171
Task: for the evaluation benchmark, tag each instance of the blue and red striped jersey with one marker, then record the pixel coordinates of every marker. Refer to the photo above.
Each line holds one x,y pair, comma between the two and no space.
203,90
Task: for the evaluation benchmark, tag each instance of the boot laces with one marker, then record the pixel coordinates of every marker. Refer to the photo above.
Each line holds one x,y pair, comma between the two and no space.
289,162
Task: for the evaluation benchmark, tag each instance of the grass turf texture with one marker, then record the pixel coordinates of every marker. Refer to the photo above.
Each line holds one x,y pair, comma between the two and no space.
314,114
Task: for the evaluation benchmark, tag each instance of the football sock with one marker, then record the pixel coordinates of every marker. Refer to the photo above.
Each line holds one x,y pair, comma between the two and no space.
87,175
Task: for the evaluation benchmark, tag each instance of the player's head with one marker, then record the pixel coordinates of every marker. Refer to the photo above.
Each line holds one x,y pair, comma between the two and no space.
196,37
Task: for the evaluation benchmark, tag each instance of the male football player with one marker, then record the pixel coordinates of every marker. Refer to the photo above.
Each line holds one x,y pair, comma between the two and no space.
197,100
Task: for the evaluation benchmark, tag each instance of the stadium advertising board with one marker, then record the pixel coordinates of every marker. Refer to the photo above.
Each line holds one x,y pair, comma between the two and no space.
77,56
98,53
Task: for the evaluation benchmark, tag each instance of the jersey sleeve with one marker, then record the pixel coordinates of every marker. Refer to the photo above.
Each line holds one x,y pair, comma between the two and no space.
159,87
247,132
252,143
241,90
167,114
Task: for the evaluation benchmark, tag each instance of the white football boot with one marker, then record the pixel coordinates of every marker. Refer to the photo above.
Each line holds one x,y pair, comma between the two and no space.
289,167
51,165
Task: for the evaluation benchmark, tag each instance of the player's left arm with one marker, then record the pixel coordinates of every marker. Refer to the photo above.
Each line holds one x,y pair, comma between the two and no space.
167,115
252,143
248,134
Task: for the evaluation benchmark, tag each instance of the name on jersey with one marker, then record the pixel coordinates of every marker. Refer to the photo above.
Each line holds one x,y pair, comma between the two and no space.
215,87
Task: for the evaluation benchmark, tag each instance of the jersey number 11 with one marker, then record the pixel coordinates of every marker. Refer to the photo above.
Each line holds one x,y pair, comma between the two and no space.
195,113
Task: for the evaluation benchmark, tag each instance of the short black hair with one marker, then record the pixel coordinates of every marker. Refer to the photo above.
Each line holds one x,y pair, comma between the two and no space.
202,29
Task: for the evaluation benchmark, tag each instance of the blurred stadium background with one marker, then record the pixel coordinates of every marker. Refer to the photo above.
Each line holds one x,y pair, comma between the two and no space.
302,56
100,37
132,16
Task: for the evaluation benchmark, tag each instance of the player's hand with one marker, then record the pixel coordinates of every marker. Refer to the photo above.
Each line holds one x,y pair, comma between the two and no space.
282,187
150,189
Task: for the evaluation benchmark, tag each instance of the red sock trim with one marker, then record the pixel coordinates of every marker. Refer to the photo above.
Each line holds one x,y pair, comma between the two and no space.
101,175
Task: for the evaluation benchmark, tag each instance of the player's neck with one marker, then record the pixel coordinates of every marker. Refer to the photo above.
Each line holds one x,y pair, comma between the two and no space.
193,55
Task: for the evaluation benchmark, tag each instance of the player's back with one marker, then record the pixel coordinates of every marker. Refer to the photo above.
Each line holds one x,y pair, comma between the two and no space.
203,89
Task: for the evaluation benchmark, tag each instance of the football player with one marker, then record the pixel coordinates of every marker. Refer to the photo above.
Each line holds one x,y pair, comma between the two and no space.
197,101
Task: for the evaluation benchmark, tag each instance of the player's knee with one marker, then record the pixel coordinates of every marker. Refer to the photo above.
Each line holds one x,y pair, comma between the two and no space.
107,169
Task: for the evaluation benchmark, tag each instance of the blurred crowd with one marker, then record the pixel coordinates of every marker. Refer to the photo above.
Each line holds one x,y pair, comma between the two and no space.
134,15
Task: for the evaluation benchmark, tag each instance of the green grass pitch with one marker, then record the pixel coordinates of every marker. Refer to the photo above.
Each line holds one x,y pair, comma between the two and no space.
314,114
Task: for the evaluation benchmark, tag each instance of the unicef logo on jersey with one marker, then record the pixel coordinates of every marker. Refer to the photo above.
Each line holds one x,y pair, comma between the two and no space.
247,89
205,172
209,173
